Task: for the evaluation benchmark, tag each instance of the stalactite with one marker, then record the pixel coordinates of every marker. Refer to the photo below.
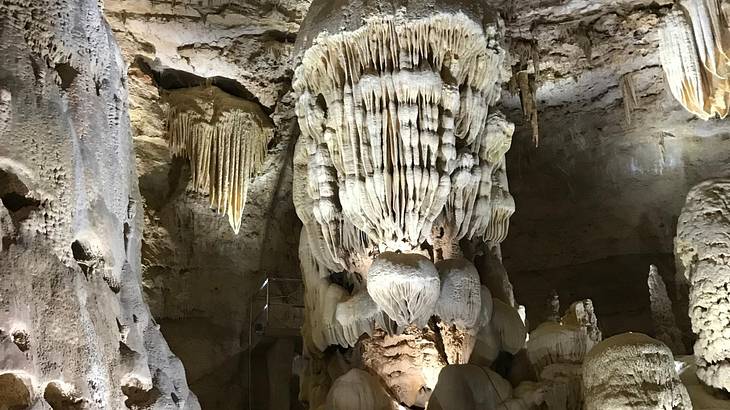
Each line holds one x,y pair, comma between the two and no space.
528,90
225,139
631,101
694,54
403,126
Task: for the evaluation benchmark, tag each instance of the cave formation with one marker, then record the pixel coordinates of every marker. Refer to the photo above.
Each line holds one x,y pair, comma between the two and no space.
364,205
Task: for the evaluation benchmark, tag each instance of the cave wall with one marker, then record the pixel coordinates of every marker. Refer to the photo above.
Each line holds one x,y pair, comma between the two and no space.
198,275
75,331
598,200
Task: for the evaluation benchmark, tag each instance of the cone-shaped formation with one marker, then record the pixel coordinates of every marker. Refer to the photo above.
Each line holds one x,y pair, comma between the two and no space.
665,326
695,43
397,129
225,139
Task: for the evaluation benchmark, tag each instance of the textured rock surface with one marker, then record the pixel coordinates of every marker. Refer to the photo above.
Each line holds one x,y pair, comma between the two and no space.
74,329
632,370
198,275
665,326
401,156
247,41
617,155
702,247
613,189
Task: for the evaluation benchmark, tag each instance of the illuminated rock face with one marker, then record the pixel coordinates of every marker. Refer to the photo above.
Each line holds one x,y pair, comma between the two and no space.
74,329
701,249
695,42
401,155
632,370
225,139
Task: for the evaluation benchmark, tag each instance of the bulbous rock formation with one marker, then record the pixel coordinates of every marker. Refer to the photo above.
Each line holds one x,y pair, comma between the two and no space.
357,390
469,387
405,286
701,248
632,370
557,350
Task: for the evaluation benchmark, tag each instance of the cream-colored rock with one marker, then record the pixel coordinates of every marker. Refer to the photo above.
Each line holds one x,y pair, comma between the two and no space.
694,54
225,139
357,390
392,181
557,350
469,387
405,286
459,302
701,247
74,327
408,363
661,313
702,397
632,370
508,325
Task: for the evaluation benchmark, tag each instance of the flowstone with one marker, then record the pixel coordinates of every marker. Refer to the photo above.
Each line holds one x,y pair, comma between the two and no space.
401,156
74,329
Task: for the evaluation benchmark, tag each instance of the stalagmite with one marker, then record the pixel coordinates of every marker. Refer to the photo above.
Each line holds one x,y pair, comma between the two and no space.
701,248
225,139
557,350
509,327
632,370
661,313
694,48
405,286
357,390
469,387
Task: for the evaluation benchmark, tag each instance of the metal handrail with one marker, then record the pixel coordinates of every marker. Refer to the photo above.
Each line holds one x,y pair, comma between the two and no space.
251,320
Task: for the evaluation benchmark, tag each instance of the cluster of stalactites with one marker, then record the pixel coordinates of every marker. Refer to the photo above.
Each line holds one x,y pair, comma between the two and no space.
224,138
695,43
396,126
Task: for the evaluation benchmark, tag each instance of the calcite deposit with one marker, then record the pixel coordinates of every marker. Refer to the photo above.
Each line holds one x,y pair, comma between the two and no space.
75,331
362,204
701,249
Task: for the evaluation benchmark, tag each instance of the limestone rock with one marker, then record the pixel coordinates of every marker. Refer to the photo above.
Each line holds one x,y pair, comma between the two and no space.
632,370
74,328
701,247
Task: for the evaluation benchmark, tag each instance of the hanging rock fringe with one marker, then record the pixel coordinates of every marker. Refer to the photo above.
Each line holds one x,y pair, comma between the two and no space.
694,51
225,139
628,92
394,118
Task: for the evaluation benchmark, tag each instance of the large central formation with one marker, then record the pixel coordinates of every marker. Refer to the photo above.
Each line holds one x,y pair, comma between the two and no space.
401,156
